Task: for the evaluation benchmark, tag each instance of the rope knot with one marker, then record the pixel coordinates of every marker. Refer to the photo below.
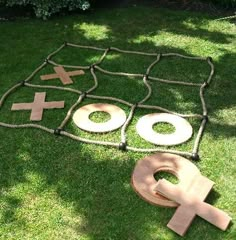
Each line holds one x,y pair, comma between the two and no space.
206,85
145,76
205,117
195,157
135,105
57,131
122,146
83,94
92,66
209,59
23,83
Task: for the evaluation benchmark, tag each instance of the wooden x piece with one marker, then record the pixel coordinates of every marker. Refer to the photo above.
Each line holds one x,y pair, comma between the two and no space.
37,106
62,75
192,204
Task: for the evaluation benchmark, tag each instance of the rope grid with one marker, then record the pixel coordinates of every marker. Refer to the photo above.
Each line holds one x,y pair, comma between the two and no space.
123,144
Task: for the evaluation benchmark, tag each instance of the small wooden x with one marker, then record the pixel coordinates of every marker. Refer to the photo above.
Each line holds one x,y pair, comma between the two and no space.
37,106
62,75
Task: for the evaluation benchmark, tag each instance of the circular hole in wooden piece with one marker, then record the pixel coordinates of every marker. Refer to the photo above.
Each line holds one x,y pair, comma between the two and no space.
183,129
163,128
99,117
144,182
82,120
166,175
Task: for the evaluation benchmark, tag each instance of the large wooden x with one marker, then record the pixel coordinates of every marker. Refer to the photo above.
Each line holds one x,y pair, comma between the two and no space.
62,75
37,106
192,204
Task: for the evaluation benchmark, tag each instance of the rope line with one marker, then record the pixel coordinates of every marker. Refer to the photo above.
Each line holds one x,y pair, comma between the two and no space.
199,136
226,18
126,124
133,106
174,82
7,93
68,115
29,125
53,87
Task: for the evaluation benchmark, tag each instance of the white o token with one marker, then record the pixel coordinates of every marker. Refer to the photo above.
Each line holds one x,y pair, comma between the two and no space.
183,129
81,117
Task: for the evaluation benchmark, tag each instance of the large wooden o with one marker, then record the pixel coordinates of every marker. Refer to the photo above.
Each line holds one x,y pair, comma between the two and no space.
145,184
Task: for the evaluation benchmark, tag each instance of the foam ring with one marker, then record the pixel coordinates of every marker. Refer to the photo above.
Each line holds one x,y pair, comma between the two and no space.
81,118
144,183
183,129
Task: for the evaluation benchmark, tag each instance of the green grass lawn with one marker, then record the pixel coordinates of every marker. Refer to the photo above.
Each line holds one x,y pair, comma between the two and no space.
57,188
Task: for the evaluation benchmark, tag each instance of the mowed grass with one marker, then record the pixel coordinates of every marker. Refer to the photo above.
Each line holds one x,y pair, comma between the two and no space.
56,188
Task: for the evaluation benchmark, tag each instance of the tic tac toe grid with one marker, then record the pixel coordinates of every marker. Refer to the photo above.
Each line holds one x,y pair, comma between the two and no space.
145,77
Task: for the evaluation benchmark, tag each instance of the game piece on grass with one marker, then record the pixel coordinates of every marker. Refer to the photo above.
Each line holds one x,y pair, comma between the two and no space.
188,195
192,204
62,75
183,129
37,106
81,117
144,183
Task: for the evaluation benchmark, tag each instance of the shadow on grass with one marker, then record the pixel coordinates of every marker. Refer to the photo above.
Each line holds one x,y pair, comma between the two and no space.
98,187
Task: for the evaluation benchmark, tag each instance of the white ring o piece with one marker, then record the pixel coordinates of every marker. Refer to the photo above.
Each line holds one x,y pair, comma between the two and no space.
183,129
81,117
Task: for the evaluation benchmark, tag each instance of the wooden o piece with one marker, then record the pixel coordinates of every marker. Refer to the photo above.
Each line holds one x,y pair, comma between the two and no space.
81,117
183,130
62,75
37,106
144,183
